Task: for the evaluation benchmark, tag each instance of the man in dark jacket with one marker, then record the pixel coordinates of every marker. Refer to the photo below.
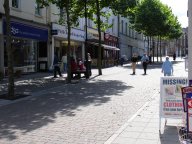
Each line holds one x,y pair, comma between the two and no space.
134,60
56,66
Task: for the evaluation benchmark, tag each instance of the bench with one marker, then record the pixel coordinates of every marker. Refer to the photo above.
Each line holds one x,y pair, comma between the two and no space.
78,73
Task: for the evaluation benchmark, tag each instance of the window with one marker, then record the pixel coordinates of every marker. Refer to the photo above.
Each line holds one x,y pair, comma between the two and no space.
122,26
129,31
89,23
126,28
37,9
15,3
61,12
113,25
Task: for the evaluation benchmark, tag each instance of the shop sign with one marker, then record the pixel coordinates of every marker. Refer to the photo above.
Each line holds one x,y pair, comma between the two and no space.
92,34
111,38
54,32
26,31
62,32
186,93
189,115
171,103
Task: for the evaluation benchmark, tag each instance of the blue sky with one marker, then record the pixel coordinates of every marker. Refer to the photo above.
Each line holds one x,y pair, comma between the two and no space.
179,8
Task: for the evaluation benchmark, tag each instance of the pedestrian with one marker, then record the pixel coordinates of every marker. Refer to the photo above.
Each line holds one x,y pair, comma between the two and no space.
145,61
89,63
167,67
121,61
174,56
64,62
56,66
134,60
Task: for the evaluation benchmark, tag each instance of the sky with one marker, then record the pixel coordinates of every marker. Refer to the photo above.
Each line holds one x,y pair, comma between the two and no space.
179,9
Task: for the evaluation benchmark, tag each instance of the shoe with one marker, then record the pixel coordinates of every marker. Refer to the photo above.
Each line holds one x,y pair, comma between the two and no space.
133,73
55,77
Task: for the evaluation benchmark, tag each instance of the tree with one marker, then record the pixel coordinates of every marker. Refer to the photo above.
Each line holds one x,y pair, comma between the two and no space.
154,19
11,92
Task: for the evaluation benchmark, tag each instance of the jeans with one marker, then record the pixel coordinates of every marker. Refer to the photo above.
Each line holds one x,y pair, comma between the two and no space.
167,74
65,67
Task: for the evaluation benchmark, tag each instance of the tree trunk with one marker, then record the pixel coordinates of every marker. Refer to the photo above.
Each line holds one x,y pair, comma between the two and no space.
157,49
99,31
160,50
9,50
68,47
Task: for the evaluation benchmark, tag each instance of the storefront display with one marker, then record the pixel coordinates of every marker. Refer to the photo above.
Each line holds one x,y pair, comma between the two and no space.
29,44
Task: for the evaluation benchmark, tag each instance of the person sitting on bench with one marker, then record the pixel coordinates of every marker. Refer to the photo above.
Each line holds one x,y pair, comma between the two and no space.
81,65
74,66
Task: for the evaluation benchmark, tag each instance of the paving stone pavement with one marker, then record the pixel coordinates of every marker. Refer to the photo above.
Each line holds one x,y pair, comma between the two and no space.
88,112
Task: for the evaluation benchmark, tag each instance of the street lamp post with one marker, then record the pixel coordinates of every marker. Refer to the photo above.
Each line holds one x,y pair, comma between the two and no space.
86,56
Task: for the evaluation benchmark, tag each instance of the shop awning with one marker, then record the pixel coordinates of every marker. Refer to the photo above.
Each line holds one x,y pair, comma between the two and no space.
105,46
110,47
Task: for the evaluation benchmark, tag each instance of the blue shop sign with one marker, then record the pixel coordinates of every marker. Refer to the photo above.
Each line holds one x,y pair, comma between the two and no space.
27,31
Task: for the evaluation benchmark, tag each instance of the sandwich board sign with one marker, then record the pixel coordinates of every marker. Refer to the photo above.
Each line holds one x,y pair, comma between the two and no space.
189,114
171,103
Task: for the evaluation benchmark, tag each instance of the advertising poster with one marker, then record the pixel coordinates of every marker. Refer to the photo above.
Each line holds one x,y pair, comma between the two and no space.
186,93
171,103
189,115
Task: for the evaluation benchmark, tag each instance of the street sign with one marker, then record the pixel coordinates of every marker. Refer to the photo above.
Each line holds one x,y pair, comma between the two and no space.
54,32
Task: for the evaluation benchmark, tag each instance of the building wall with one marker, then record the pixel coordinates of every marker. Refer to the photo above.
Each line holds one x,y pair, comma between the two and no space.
26,11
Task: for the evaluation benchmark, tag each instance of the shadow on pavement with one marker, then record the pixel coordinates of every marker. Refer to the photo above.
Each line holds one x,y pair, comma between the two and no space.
170,134
155,65
34,113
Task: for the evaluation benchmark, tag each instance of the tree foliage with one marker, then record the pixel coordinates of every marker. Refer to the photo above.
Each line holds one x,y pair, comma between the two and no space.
153,18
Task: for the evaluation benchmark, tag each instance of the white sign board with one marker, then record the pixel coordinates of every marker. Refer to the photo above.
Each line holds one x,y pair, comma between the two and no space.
76,34
189,115
171,103
93,34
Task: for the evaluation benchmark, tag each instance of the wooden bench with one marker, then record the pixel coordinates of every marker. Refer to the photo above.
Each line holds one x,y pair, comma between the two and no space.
78,73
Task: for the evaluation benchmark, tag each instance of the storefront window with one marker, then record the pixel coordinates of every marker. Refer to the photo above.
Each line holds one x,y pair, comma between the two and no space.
24,54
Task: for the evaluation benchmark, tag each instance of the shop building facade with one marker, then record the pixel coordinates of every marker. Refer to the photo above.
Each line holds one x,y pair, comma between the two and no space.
59,42
29,44
29,32
109,50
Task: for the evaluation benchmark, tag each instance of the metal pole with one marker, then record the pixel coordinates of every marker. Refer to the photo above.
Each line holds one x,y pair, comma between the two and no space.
86,56
189,40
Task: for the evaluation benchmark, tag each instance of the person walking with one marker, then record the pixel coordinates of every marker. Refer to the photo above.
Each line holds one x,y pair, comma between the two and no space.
167,67
174,56
134,60
145,61
64,62
56,66
89,63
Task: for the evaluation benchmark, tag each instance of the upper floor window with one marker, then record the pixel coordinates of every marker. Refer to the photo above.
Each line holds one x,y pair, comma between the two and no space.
15,3
122,23
113,25
126,26
61,12
89,23
37,9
